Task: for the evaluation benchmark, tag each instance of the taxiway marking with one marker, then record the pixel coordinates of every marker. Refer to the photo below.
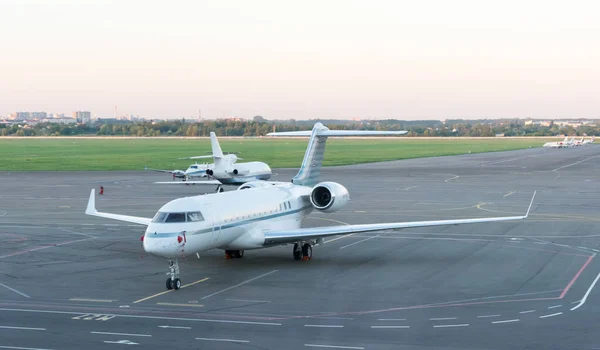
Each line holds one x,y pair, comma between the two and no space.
582,301
488,316
389,327
408,188
175,304
564,292
451,325
324,325
554,307
23,328
19,348
391,319
362,240
452,178
93,300
225,340
526,312
581,161
249,301
14,290
146,317
125,334
240,284
175,327
168,291
334,346
551,315
508,194
442,318
506,321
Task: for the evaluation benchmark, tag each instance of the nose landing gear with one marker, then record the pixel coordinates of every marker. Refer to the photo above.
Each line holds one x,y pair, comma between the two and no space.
173,282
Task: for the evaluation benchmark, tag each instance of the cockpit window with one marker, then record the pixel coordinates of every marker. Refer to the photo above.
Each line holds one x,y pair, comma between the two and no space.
193,166
159,217
175,217
194,216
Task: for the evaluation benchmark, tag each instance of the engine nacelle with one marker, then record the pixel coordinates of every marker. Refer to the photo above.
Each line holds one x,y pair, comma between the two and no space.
238,171
329,196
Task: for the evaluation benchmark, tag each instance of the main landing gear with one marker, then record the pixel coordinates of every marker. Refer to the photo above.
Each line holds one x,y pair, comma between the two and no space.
173,282
230,254
302,251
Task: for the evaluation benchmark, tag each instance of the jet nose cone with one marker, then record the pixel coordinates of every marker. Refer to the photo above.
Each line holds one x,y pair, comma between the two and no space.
164,244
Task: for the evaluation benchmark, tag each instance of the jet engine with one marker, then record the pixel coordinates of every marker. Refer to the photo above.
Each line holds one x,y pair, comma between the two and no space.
238,171
254,184
329,196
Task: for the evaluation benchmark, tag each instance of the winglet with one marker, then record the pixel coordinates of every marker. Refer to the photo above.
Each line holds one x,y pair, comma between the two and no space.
530,204
91,206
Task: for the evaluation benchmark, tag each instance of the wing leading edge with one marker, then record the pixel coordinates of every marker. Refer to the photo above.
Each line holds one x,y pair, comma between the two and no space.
291,236
91,210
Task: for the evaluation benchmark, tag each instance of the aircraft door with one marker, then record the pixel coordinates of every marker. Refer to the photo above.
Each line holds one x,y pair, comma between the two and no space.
216,223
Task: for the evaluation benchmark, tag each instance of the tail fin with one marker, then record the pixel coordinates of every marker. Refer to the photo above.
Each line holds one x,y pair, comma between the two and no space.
216,149
310,170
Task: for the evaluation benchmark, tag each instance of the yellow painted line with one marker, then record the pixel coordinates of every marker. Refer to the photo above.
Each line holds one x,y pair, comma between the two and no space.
93,300
169,291
174,304
508,194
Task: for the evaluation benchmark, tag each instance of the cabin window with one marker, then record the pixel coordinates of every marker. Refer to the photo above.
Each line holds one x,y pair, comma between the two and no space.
159,217
194,216
175,217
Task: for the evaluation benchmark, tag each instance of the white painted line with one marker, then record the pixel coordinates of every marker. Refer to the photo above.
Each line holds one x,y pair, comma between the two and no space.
362,240
389,327
487,316
127,334
225,340
451,325
93,300
391,319
334,346
125,342
575,302
452,178
442,318
23,328
175,327
554,307
508,194
324,325
14,290
581,161
163,318
527,312
551,315
506,321
240,284
19,348
249,301
408,188
582,301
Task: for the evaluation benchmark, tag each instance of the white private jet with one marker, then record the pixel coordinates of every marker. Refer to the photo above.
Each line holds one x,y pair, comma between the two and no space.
588,141
558,144
224,171
260,214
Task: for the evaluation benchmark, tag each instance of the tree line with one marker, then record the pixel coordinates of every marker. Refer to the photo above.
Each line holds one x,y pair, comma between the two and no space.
260,127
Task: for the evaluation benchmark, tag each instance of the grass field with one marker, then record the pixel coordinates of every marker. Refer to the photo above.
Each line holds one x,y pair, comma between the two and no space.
31,154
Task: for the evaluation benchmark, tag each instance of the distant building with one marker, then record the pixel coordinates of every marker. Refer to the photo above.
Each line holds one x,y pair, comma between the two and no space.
82,117
28,115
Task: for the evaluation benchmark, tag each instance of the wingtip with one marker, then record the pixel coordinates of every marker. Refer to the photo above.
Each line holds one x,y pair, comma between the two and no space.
530,204
91,207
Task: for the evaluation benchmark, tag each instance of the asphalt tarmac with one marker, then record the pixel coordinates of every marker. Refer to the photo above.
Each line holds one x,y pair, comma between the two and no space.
71,281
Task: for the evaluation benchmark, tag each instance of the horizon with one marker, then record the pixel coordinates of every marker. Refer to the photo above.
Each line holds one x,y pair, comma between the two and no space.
334,60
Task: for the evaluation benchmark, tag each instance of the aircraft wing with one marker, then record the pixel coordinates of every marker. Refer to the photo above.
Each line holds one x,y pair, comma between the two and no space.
292,236
91,210
203,182
197,157
334,133
160,170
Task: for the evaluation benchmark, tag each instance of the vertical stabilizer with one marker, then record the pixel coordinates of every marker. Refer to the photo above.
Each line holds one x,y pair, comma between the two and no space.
216,149
313,158
309,172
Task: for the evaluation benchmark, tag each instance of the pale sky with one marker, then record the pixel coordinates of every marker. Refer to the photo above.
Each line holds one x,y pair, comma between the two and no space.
417,59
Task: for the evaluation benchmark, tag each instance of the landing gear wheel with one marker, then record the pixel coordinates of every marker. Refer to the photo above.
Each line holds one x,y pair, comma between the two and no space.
173,281
238,253
307,251
169,283
177,284
297,252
